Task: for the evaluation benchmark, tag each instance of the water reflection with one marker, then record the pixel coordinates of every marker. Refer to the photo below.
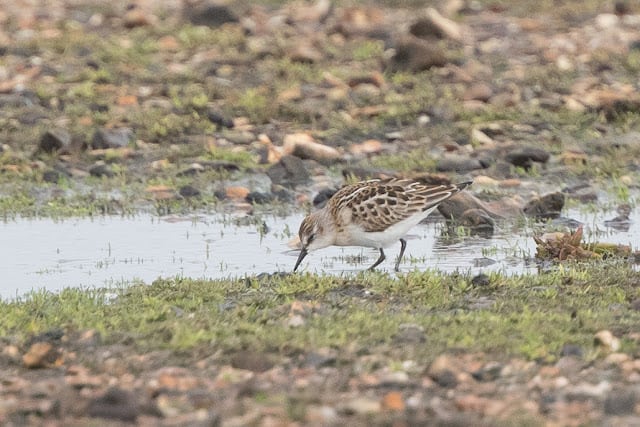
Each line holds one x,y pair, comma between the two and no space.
94,252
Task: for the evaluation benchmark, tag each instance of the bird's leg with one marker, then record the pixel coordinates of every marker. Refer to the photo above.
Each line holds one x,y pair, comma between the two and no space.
403,245
380,259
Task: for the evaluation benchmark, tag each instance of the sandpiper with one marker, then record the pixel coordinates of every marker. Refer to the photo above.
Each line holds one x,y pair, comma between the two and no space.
374,214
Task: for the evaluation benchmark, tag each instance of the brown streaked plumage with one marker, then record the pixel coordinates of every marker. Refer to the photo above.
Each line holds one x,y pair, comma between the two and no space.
373,213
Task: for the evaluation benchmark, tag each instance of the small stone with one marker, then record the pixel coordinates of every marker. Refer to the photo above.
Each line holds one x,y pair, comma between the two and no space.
607,20
481,280
304,146
290,170
489,372
54,140
52,176
436,25
219,119
478,219
115,404
259,198
112,138
454,163
238,193
323,197
136,17
254,362
361,406
547,206
213,13
445,378
40,355
606,341
415,55
525,156
478,92
305,53
393,401
571,350
620,402
189,191
370,146
101,169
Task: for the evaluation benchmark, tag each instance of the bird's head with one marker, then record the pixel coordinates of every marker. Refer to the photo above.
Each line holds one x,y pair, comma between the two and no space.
314,234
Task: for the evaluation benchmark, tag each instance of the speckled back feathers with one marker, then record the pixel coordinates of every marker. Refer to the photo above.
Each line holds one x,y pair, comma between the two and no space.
377,204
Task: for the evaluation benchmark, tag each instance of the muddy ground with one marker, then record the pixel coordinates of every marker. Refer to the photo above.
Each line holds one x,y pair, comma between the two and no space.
251,107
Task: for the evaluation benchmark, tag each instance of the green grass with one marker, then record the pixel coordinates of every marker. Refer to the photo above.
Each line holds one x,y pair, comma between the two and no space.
528,316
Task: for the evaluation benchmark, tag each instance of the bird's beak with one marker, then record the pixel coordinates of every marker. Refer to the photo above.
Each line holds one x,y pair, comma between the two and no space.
303,253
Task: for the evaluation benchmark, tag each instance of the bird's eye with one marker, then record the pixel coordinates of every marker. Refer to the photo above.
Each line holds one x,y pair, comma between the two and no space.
312,237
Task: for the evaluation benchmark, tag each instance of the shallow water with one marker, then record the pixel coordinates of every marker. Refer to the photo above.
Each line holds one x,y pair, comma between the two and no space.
108,251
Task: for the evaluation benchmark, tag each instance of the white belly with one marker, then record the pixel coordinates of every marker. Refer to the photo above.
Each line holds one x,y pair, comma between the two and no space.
355,236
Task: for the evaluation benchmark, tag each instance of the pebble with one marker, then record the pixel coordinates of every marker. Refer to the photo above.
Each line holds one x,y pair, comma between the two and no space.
361,406
415,55
101,170
290,170
54,140
547,206
605,340
112,138
620,402
455,163
303,145
40,355
115,403
481,280
370,146
188,191
525,156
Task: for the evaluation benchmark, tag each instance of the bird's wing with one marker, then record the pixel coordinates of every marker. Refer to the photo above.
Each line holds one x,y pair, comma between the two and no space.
377,204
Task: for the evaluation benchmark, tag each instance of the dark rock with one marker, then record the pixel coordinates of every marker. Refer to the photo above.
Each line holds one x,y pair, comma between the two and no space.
456,163
250,361
54,140
320,359
259,198
622,7
635,304
525,156
415,55
290,170
115,404
455,207
112,138
481,280
622,221
545,207
188,191
282,194
51,336
219,120
445,378
52,176
571,350
425,29
620,402
489,372
212,13
323,197
478,219
101,170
